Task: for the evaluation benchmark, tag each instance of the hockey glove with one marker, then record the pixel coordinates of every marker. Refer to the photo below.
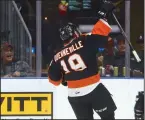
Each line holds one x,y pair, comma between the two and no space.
139,106
106,8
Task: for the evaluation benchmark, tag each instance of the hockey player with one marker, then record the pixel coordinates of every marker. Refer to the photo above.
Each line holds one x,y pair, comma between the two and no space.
76,63
139,106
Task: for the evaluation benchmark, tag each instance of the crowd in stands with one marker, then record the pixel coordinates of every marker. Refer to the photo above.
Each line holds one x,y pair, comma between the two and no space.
112,58
10,66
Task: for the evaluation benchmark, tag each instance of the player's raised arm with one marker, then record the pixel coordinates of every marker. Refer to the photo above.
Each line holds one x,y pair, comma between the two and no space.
102,27
99,34
55,74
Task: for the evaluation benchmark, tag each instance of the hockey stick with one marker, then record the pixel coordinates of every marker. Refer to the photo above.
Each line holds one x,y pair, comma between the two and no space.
123,33
118,3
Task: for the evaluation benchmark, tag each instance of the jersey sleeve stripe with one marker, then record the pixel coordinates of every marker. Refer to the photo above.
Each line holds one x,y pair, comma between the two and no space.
101,28
83,82
106,23
56,83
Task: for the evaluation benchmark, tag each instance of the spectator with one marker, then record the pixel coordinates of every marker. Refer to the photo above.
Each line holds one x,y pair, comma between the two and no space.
138,68
105,55
100,60
108,53
119,58
116,56
11,67
120,55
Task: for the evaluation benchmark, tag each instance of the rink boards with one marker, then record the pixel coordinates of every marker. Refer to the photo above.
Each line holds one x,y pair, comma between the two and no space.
36,98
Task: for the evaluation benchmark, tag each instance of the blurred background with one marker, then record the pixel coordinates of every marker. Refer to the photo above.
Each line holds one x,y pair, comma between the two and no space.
31,26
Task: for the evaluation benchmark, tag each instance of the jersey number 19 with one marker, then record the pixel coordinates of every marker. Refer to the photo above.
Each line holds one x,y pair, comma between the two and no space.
76,63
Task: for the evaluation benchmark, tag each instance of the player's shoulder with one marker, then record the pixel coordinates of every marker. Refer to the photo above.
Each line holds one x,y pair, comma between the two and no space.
82,38
96,37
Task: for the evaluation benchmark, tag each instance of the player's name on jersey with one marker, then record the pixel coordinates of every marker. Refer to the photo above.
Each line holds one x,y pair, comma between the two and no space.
68,50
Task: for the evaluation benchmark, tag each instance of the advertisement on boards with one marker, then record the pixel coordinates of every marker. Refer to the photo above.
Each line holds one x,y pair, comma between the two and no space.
26,105
34,99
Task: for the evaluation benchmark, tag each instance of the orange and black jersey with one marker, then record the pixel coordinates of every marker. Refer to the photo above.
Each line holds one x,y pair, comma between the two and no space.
76,62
